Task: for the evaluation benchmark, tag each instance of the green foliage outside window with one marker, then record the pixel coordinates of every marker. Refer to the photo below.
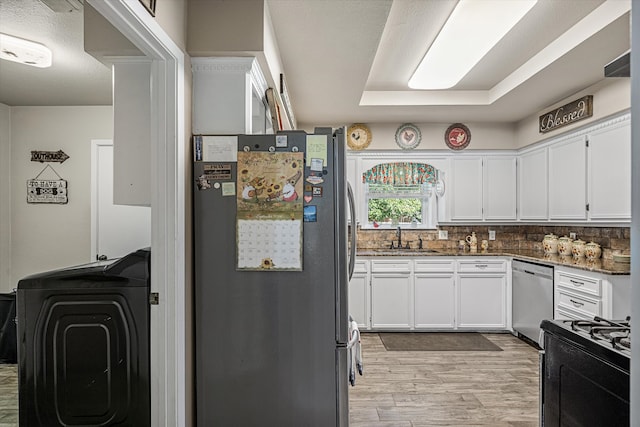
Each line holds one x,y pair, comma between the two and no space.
387,210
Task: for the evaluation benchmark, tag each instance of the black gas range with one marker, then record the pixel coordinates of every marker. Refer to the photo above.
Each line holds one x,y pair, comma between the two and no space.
584,373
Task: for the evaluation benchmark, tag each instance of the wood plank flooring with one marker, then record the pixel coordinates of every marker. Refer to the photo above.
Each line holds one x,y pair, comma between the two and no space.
446,388
416,388
8,395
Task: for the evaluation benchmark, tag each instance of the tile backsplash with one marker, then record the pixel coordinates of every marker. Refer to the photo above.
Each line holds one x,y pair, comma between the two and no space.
523,237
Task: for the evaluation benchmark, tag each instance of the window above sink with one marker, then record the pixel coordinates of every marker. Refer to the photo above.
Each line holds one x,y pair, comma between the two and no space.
401,194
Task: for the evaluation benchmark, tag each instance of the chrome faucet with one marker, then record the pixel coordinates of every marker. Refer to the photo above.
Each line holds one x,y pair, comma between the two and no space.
399,234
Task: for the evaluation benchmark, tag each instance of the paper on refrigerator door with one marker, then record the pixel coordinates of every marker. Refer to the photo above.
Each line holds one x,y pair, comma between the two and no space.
220,148
269,211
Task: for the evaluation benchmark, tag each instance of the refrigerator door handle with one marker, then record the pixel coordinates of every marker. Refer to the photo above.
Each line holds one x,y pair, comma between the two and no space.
354,236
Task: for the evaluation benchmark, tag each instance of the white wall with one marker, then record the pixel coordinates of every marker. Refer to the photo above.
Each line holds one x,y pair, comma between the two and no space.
45,237
610,96
5,199
483,136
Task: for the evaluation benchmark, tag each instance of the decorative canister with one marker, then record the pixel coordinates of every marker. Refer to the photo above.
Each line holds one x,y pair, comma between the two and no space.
592,251
564,246
577,248
550,244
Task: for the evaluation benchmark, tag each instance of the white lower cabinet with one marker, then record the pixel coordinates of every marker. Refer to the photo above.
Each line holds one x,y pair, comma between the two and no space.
482,301
359,301
482,294
390,300
434,293
580,294
391,294
435,300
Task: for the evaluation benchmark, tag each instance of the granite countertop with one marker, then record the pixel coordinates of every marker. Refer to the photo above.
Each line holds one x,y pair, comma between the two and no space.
605,266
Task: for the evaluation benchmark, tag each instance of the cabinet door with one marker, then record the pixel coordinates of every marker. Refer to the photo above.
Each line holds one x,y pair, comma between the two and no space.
568,180
390,301
466,191
499,195
434,301
610,173
482,301
358,299
532,185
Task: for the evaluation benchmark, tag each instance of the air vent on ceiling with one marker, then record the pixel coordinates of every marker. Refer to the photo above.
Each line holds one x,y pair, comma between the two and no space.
64,6
619,67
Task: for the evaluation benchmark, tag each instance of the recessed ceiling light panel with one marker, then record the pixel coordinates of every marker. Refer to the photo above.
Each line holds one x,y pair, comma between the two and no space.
473,28
24,51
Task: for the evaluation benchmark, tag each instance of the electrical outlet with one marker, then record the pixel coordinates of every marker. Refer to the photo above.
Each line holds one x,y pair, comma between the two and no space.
492,234
572,236
443,234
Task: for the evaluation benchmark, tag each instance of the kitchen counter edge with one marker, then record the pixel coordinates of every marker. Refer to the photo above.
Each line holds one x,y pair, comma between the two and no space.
600,265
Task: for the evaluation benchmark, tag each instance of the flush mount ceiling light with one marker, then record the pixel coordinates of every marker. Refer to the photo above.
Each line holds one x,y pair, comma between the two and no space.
473,28
24,51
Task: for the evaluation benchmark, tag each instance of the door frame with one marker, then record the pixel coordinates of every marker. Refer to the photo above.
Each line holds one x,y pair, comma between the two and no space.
95,143
168,344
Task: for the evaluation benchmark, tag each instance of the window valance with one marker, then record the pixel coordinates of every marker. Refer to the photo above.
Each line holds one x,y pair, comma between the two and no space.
400,173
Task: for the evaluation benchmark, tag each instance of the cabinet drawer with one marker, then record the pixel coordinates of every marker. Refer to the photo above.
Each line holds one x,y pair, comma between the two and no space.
576,283
437,265
580,304
482,266
562,313
361,266
391,265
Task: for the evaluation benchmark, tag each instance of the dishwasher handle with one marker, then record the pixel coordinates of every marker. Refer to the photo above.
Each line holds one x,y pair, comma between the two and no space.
532,269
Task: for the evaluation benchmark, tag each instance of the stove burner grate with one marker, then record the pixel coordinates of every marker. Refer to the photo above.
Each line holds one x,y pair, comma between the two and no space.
617,333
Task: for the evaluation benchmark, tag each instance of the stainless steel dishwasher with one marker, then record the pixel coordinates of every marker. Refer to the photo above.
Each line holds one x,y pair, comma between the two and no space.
532,297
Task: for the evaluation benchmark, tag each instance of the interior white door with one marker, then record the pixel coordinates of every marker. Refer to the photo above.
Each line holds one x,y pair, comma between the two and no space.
116,229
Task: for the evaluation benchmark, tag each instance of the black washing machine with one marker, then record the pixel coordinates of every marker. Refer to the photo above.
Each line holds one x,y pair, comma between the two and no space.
83,345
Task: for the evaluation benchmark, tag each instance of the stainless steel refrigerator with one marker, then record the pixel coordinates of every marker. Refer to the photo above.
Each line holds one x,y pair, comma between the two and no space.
271,339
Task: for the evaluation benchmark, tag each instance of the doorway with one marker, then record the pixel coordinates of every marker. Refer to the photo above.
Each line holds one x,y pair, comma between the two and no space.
116,230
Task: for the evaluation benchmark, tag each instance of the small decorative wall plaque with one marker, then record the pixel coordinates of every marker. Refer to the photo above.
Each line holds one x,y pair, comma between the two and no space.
47,190
457,136
567,114
408,136
49,156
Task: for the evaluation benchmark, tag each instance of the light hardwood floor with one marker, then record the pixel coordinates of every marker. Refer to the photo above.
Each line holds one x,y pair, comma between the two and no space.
416,388
446,388
8,395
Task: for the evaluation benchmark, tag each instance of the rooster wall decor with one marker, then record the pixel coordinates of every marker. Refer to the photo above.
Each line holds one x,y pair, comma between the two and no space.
408,136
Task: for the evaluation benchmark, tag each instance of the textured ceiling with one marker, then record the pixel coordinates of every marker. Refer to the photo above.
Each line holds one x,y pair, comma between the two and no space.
75,78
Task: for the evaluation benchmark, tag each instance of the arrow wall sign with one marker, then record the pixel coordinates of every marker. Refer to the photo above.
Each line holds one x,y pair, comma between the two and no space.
49,156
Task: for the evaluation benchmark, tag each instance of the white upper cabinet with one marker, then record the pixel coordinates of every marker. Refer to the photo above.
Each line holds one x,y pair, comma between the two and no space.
567,179
465,192
609,173
499,188
581,177
228,96
532,185
483,188
131,131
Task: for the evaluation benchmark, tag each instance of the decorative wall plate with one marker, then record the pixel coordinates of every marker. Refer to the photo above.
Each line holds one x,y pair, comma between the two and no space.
408,136
358,136
457,136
